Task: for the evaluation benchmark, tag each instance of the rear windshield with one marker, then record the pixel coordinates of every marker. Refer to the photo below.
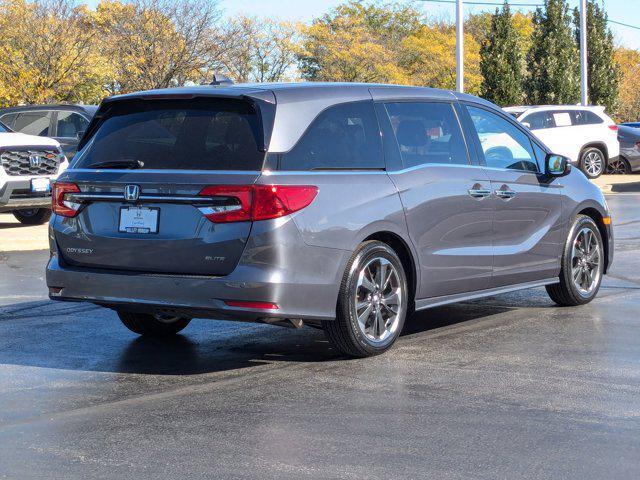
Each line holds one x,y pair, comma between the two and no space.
198,134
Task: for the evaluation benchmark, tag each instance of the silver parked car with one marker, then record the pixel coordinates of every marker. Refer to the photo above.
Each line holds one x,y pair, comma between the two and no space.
341,206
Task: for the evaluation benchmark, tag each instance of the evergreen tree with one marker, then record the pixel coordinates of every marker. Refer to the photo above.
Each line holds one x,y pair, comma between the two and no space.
553,61
501,61
602,71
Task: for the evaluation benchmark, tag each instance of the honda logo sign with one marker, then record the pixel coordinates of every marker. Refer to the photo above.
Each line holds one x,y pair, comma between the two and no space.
131,193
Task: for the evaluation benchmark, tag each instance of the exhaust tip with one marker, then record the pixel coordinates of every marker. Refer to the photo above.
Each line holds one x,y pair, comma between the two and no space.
284,322
55,291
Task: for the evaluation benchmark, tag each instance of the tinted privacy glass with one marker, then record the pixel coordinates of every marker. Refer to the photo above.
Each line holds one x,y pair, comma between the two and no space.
178,134
539,120
427,133
70,124
585,117
33,123
8,119
345,136
503,144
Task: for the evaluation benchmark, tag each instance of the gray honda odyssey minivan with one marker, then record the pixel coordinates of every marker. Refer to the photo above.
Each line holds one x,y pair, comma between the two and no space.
341,206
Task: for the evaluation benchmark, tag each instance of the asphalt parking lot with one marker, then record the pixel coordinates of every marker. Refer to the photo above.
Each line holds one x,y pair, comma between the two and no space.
507,387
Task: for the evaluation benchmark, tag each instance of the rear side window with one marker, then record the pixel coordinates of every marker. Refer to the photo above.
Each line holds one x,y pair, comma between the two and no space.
585,117
344,137
427,133
8,119
70,124
33,123
539,120
194,134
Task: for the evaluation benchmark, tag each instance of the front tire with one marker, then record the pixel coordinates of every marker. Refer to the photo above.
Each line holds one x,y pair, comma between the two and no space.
582,265
593,162
33,216
153,325
372,302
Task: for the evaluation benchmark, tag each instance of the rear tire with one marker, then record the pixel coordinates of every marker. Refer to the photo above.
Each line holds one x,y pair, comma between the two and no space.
593,162
153,325
34,216
372,302
584,250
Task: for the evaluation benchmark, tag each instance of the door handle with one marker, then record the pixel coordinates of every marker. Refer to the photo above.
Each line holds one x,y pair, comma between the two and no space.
479,193
505,194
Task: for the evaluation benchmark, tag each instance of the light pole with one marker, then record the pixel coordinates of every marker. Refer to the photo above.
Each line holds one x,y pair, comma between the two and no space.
584,92
460,47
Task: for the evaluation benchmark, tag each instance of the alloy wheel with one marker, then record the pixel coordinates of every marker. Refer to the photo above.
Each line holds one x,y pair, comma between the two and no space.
617,167
379,300
586,262
593,163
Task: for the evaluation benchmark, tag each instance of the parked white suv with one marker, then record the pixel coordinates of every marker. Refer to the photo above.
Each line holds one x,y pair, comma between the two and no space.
584,134
28,164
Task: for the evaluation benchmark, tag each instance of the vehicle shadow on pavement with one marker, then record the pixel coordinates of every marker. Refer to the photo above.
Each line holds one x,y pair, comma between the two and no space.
6,225
87,338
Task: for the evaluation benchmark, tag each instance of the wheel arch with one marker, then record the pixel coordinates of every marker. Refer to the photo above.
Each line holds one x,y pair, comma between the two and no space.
402,249
597,217
600,146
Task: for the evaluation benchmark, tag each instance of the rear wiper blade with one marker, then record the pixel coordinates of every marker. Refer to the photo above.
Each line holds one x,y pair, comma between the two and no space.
130,164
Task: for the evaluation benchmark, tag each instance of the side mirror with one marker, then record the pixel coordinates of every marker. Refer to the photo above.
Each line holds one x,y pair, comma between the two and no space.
80,134
557,165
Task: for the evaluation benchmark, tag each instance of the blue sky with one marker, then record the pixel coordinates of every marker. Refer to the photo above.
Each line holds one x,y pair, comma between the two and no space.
305,10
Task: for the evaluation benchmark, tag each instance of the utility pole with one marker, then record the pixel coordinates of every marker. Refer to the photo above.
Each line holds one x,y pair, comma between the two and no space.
460,46
584,92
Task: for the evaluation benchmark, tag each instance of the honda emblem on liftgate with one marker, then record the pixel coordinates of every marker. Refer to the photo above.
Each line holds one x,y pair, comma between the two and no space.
131,193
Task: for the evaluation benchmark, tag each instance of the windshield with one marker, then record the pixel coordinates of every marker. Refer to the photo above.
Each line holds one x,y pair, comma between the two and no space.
3,128
196,134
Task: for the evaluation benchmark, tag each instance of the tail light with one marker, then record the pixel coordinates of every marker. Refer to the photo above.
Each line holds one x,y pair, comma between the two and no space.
60,204
613,127
243,203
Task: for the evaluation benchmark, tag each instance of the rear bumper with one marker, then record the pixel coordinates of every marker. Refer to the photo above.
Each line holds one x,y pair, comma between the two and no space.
302,280
15,195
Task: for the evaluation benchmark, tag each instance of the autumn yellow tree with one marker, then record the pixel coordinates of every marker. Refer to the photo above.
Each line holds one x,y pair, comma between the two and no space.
428,58
259,50
157,43
356,43
629,86
393,43
48,53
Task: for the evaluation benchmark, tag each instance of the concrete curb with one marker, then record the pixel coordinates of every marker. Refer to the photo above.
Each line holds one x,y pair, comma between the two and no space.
618,183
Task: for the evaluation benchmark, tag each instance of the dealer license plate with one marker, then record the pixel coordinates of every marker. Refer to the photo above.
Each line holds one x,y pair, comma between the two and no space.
139,220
